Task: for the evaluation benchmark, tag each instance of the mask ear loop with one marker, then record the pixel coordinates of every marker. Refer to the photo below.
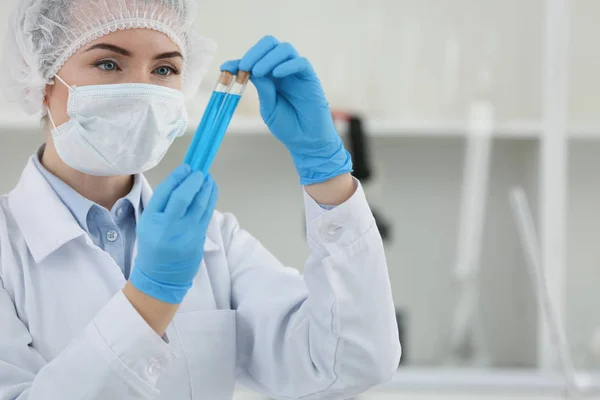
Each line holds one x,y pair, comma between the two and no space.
50,116
63,82
48,108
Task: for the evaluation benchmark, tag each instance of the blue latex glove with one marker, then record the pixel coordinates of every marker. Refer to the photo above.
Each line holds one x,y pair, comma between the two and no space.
171,234
294,107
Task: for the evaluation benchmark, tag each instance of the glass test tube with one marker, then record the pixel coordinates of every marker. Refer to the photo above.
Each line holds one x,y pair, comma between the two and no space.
210,114
230,103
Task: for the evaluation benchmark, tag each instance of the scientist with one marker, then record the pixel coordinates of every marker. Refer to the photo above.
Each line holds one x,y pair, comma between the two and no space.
110,291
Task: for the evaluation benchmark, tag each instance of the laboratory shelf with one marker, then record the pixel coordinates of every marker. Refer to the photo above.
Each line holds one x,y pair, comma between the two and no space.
493,380
520,129
485,382
14,121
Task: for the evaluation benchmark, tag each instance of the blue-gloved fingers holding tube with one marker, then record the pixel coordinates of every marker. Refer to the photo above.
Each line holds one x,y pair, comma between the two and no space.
294,107
171,234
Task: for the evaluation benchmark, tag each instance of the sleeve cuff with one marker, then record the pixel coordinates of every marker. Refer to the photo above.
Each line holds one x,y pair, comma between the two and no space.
341,226
126,335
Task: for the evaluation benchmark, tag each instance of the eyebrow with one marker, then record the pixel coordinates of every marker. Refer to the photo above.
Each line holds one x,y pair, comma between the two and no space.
127,53
171,54
110,47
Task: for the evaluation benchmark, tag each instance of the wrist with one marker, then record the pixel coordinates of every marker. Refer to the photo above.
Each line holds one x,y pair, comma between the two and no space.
157,314
334,191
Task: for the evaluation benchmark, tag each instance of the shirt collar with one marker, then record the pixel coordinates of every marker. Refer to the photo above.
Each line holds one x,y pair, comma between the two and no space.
45,221
135,196
79,205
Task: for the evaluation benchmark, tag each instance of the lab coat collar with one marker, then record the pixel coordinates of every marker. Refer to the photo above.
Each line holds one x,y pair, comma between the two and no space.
46,223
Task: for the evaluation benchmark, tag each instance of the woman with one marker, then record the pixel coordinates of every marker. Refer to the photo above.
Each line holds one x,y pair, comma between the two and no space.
108,291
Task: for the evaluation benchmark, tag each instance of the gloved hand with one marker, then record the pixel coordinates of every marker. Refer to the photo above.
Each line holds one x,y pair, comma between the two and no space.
171,234
294,107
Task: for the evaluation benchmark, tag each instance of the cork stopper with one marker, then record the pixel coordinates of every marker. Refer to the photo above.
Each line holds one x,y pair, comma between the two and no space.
225,78
242,77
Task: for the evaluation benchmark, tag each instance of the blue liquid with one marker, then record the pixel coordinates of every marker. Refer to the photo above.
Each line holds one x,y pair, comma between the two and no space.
201,136
217,133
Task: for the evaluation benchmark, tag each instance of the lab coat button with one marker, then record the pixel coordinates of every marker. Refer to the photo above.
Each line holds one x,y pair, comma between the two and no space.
333,230
112,236
154,367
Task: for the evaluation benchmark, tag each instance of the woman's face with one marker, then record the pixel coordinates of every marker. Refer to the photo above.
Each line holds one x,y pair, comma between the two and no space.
124,56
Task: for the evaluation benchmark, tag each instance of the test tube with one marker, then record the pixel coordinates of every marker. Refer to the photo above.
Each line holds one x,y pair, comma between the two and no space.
228,107
210,114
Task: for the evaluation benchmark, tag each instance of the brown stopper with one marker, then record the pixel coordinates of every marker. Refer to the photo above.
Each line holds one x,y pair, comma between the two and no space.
242,77
225,78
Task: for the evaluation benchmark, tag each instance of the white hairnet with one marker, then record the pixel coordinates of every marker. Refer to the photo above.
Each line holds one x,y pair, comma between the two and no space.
43,34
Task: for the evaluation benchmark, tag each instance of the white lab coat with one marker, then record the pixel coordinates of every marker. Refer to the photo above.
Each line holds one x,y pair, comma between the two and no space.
68,332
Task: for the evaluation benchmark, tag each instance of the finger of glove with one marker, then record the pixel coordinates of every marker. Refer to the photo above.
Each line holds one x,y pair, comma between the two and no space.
201,201
300,66
257,52
183,196
209,209
231,66
267,94
163,191
280,54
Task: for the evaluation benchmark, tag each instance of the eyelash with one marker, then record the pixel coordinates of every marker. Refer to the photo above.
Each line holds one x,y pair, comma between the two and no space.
99,64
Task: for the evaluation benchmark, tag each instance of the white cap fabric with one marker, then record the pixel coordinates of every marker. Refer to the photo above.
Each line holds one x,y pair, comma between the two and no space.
43,34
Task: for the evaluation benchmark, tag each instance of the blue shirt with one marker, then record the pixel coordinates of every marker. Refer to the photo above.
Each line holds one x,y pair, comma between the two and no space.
113,231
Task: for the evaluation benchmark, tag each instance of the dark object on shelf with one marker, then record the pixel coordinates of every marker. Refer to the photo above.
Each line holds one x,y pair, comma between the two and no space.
385,230
402,329
358,147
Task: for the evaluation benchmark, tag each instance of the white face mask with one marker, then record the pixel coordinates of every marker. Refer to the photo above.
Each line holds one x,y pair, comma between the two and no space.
121,129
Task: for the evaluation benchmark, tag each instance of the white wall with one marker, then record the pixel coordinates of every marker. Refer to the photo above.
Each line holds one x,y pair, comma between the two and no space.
400,58
584,61
419,59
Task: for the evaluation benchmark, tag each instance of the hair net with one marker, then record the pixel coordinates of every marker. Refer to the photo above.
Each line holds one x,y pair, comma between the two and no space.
43,34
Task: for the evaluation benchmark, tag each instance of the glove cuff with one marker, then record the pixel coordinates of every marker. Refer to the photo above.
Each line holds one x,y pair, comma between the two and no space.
172,294
318,169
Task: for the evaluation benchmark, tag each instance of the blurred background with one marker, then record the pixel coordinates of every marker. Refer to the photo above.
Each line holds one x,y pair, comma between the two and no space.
452,104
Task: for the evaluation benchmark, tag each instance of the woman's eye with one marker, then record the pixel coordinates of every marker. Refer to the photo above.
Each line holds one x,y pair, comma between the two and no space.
164,71
107,65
